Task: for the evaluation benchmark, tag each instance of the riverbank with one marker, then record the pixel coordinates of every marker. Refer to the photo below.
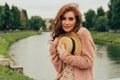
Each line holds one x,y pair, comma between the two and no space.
8,74
106,37
6,40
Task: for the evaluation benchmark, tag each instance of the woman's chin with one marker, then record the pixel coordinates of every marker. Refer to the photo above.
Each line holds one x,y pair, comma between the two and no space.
67,30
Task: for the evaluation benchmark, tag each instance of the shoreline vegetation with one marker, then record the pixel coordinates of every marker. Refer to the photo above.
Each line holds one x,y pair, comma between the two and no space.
6,40
106,37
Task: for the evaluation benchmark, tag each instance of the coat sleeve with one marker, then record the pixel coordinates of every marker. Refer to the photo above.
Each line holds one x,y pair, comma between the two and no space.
57,62
86,59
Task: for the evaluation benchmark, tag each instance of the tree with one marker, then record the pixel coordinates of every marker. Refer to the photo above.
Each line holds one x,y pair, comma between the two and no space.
109,18
43,25
1,17
7,17
15,19
114,14
101,24
51,26
100,20
24,19
89,16
100,12
36,23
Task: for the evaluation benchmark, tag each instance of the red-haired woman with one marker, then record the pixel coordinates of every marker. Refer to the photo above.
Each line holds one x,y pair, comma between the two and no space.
68,66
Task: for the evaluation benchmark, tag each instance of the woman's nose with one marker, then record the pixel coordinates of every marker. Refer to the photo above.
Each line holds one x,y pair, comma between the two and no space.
66,22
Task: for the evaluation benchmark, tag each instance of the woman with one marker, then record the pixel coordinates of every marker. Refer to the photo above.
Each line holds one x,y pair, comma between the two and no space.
68,66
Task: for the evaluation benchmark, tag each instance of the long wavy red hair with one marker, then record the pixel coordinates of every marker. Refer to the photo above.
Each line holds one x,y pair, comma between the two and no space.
57,25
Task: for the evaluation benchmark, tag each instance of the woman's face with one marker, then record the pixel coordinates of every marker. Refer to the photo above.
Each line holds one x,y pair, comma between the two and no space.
68,21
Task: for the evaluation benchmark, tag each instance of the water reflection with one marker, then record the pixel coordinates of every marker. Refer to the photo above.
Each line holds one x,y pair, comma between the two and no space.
107,62
101,69
114,53
114,56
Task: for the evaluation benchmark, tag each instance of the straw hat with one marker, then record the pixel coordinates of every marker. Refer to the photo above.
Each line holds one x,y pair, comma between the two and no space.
71,42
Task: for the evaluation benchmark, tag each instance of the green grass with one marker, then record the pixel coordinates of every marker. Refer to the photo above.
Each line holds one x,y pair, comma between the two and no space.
8,74
6,40
106,37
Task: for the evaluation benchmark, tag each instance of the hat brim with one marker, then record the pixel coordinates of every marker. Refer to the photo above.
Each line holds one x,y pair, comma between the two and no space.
67,42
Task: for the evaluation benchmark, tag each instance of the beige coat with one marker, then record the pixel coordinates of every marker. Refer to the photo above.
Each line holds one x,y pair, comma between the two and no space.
83,65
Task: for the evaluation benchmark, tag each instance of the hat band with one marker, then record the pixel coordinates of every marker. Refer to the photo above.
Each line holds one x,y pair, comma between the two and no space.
73,47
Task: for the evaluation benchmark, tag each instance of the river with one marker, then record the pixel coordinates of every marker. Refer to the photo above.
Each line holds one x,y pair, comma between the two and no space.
33,54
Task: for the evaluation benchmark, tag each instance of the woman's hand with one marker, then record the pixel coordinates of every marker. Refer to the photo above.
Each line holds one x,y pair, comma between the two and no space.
61,50
53,45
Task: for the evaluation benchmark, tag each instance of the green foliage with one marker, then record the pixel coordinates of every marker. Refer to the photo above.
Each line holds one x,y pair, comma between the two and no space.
106,37
114,14
7,17
15,18
8,74
24,20
1,17
12,19
43,25
3,46
101,24
89,17
97,22
100,21
36,23
100,12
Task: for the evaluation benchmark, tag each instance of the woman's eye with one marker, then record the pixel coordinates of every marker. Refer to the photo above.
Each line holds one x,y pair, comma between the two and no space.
63,18
71,18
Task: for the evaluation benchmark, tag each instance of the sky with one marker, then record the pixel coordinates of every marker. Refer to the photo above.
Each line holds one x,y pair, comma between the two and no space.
49,8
